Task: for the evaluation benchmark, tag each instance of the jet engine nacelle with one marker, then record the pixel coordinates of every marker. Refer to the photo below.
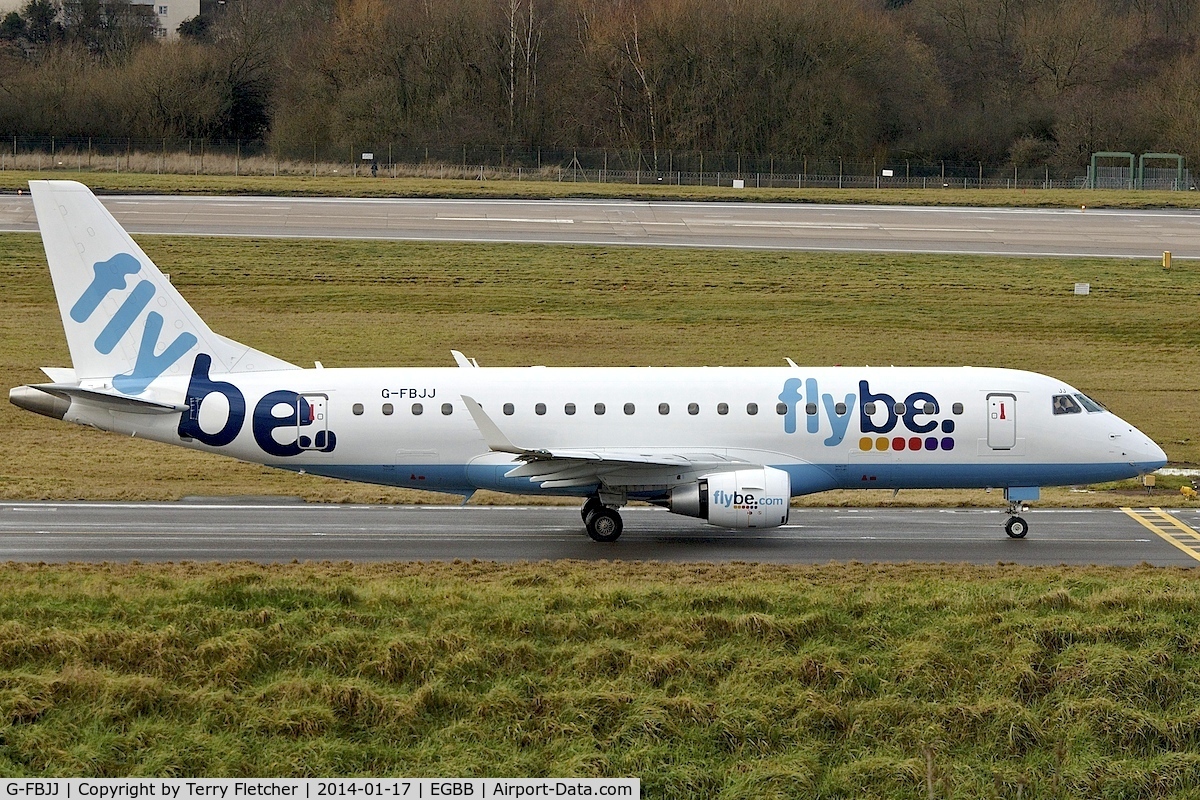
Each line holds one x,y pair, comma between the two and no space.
746,498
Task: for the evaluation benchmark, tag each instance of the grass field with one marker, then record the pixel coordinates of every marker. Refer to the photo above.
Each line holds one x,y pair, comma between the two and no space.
1134,343
348,186
838,681
704,681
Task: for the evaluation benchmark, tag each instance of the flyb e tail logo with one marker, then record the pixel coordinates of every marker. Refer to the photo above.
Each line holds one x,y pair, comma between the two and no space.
110,276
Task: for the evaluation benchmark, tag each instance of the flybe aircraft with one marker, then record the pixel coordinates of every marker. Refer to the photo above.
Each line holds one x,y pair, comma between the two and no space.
730,446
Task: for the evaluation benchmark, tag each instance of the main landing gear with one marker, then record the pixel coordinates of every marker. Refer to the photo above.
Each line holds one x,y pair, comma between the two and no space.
1016,527
603,523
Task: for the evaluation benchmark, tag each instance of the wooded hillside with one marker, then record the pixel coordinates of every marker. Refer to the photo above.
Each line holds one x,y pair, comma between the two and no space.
1020,82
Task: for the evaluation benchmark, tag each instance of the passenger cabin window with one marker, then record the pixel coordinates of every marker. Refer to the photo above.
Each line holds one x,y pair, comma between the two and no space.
869,409
629,409
839,409
447,409
722,408
928,408
387,409
1065,404
900,409
569,409
693,408
418,409
664,408
957,408
540,409
1090,405
752,408
357,409
508,409
781,408
599,409
811,409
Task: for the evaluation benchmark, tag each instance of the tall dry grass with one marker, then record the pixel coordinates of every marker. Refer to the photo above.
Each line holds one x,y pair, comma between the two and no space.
78,160
702,680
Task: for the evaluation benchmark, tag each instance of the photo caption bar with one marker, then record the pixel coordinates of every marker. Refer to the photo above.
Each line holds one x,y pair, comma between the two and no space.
316,788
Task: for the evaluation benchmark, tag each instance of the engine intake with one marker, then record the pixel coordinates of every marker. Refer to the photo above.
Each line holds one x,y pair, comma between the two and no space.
745,498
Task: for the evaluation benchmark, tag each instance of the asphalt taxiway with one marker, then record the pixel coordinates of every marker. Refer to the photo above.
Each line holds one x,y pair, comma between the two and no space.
777,226
273,533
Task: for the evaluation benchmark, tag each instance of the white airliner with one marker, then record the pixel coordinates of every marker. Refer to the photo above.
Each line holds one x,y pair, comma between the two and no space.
728,445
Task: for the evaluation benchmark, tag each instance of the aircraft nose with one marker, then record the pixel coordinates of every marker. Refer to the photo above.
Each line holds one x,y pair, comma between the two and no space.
1140,450
1155,453
1145,452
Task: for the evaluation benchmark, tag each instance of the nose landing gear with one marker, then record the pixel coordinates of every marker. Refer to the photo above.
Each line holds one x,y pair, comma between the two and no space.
1017,496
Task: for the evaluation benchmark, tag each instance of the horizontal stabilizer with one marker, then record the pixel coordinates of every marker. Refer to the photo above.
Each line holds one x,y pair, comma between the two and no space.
60,374
118,402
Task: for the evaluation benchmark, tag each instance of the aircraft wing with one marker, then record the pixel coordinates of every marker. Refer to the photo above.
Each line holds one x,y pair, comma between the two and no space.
565,468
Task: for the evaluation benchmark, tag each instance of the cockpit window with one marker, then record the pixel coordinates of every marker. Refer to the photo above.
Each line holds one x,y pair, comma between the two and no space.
1088,403
1065,404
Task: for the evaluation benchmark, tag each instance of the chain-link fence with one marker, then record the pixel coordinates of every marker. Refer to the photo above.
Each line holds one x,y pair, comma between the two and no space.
502,162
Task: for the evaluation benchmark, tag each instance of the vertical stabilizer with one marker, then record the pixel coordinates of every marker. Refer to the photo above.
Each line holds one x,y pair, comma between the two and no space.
125,323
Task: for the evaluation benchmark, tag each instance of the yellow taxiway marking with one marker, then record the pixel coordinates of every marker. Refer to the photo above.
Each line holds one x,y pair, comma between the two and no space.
1168,528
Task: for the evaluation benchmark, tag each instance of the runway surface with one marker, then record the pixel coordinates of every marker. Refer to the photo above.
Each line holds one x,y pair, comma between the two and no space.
265,532
892,229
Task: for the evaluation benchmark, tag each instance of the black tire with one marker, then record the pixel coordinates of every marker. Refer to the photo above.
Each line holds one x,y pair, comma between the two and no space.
590,505
604,525
1016,527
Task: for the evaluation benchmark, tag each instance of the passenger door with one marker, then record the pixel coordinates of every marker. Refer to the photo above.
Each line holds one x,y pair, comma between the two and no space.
1002,421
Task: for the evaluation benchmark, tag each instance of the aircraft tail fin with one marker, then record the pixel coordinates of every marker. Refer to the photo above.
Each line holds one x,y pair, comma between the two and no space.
126,325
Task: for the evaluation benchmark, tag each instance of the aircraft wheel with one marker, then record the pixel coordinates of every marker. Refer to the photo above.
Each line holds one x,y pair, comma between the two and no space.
590,505
604,524
1016,527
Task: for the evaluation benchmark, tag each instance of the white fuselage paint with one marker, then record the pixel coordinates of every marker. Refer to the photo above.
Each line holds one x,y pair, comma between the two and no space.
447,452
